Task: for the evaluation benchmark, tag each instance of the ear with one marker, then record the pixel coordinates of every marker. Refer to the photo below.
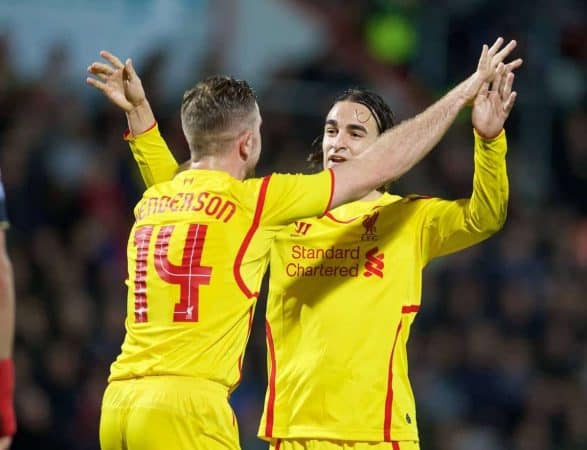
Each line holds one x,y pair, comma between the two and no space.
245,145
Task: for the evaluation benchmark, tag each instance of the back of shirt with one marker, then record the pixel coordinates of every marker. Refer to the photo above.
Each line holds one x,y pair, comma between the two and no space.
196,257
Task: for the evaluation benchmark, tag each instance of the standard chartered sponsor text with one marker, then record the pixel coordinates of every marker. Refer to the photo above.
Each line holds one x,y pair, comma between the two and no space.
324,262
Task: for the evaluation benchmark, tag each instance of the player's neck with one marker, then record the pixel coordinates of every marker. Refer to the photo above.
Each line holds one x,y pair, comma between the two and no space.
233,168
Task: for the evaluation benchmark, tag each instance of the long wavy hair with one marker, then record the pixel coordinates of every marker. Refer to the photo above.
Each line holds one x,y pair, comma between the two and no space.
380,110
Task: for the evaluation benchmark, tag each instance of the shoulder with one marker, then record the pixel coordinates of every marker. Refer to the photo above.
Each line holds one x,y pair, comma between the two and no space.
411,200
257,184
417,203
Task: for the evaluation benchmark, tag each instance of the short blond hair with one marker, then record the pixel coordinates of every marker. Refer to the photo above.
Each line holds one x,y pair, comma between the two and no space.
212,109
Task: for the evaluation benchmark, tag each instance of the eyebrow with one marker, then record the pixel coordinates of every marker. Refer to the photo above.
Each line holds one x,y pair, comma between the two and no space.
352,126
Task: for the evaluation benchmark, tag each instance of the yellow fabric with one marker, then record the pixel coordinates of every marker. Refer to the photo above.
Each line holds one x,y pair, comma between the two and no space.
199,223
155,413
155,160
314,444
344,291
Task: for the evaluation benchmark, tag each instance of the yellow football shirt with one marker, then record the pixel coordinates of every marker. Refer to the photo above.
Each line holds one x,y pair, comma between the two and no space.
344,292
196,257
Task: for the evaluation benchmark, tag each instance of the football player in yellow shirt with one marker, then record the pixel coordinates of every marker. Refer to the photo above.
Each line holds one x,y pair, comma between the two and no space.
162,362
345,287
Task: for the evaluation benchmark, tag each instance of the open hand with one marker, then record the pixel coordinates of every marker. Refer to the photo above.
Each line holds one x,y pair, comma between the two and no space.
493,106
491,58
117,81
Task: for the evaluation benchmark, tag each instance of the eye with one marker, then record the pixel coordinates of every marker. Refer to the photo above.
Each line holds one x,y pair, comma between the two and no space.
330,131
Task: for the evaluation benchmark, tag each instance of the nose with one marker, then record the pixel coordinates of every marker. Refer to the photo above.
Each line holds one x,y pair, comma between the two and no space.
339,143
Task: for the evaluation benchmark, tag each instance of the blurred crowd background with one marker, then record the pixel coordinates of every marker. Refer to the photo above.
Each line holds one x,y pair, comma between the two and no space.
498,355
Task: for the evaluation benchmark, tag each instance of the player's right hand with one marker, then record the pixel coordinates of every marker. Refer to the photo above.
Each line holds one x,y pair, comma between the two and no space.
117,81
493,106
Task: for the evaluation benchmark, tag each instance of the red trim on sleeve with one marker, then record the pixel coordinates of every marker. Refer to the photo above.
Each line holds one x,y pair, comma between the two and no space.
247,241
389,396
407,309
278,444
127,135
7,416
271,400
395,445
332,183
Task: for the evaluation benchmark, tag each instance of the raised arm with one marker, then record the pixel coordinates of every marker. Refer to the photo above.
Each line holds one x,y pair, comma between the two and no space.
397,150
122,86
449,226
7,416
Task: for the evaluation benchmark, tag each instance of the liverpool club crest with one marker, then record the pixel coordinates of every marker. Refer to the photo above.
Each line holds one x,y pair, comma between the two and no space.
370,233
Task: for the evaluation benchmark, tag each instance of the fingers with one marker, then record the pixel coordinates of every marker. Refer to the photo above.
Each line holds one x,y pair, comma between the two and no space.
514,64
102,76
484,52
484,89
96,83
495,84
129,70
97,67
102,71
495,47
506,88
509,104
105,71
500,56
116,63
492,56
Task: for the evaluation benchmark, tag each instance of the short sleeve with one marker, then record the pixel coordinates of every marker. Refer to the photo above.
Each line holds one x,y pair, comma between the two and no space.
286,198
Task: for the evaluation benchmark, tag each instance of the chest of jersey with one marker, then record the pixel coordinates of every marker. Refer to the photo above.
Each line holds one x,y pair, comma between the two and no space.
370,246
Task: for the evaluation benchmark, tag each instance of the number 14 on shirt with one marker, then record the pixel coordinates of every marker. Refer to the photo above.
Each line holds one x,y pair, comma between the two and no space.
189,275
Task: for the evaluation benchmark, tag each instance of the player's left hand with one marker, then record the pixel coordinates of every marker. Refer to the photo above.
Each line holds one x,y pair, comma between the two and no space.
493,106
